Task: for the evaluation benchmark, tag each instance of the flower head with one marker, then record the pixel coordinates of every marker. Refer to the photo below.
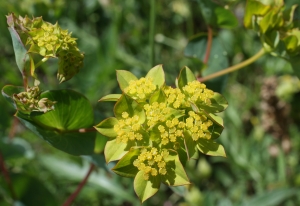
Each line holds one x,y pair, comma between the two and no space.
140,89
128,128
152,162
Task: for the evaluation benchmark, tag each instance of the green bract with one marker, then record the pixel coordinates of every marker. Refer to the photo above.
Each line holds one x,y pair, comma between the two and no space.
276,27
157,128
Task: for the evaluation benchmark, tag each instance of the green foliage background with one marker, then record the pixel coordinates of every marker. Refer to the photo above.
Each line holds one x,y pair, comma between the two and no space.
262,164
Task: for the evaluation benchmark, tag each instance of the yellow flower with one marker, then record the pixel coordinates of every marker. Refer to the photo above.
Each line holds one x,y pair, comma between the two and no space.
140,89
128,129
151,162
198,93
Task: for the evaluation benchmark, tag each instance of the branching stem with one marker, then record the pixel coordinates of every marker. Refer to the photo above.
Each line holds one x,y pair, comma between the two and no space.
72,197
252,59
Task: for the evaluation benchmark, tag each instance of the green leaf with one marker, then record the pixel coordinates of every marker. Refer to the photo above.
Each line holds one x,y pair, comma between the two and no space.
254,8
106,127
190,145
217,128
124,77
217,16
115,151
218,104
9,90
110,97
175,172
125,166
129,105
158,75
22,57
291,43
185,76
158,96
60,127
145,188
210,147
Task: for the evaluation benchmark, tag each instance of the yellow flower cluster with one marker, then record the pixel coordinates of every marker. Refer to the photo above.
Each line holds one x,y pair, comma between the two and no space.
198,92
175,97
140,89
172,130
156,112
198,126
50,38
152,162
128,128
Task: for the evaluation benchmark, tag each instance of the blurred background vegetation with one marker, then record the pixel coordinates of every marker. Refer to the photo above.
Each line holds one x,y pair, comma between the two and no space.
261,135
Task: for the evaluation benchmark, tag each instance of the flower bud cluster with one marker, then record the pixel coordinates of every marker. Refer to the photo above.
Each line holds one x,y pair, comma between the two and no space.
175,98
156,112
172,129
198,93
30,101
128,128
140,89
198,126
152,162
50,40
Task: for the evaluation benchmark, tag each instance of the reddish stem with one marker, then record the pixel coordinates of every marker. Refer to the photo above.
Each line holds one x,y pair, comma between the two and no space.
80,186
25,81
5,173
12,130
208,46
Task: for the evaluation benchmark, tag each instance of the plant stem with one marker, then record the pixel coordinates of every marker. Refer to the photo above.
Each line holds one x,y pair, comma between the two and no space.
12,130
252,59
152,32
72,197
25,81
5,172
208,46
41,62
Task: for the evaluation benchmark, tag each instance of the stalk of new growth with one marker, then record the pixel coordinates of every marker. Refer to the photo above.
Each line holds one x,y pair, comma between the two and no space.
236,67
72,197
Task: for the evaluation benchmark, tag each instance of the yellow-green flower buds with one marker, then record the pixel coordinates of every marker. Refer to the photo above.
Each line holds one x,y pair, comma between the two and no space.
152,162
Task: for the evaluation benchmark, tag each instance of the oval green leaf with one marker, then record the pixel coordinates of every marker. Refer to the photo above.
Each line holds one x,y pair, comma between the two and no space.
145,188
110,98
185,76
125,166
106,127
158,75
115,151
210,147
175,172
124,77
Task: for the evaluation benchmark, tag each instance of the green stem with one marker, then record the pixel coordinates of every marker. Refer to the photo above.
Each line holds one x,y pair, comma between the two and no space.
152,31
252,59
41,62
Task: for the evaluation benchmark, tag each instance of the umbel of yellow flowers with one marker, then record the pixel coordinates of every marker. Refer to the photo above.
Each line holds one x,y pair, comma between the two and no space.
158,128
